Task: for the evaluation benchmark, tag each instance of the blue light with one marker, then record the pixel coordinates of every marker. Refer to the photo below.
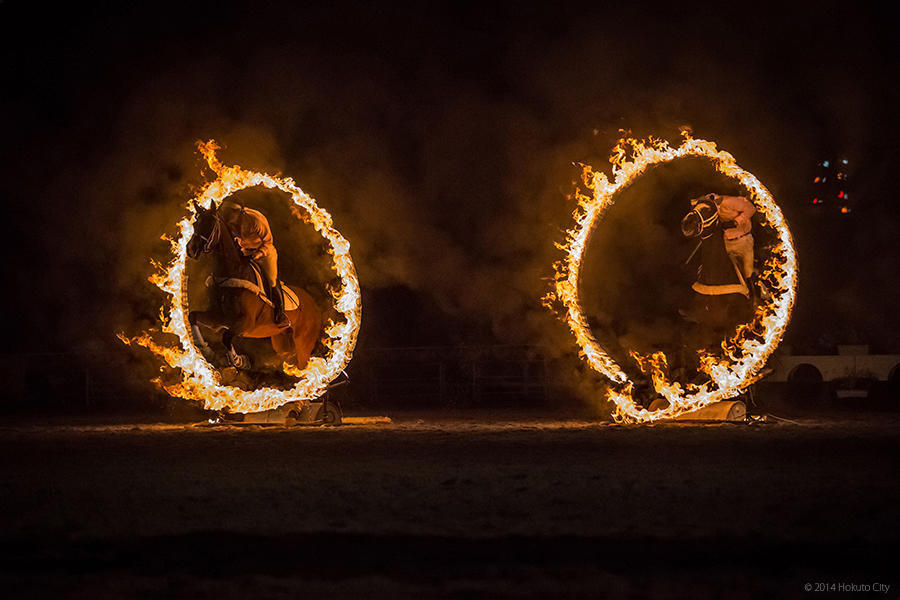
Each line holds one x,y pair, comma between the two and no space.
825,163
844,161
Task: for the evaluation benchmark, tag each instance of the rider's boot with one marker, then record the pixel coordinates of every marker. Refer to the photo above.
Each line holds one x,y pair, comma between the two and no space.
277,296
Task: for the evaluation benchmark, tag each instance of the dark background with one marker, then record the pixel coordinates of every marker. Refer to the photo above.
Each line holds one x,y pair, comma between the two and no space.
442,137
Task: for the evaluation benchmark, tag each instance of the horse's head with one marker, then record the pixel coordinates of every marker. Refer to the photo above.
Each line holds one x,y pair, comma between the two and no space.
702,218
205,231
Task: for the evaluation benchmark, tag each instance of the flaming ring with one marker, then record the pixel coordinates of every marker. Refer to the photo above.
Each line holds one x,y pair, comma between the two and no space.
200,381
745,353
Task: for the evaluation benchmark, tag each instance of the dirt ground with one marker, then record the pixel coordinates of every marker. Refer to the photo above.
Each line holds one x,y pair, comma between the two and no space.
445,506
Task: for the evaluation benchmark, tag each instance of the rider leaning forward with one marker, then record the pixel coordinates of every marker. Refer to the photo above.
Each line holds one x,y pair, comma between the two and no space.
735,212
254,236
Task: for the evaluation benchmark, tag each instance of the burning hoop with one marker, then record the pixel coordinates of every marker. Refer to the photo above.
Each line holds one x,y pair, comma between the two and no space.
200,381
744,354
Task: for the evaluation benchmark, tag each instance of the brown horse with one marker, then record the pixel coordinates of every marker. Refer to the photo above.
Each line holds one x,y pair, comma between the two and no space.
238,311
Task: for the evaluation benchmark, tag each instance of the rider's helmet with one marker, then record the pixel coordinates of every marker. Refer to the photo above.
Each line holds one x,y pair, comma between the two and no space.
701,219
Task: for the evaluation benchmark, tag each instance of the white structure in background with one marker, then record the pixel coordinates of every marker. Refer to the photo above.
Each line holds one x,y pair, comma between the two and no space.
852,366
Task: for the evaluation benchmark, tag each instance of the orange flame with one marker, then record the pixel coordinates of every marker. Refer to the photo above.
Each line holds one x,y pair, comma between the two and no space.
200,381
744,354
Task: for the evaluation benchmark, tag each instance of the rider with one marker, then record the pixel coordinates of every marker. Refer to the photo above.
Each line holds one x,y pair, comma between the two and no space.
734,212
252,233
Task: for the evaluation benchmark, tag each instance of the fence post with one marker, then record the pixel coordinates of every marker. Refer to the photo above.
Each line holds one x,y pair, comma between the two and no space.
545,379
525,377
87,387
442,383
371,382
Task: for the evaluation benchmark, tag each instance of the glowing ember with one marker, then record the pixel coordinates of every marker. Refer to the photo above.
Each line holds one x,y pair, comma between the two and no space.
200,381
744,354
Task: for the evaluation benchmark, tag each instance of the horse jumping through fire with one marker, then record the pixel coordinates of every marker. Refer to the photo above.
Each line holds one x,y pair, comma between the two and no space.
246,297
725,283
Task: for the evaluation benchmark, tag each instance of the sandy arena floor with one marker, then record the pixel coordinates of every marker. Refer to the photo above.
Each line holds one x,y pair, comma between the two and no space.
447,507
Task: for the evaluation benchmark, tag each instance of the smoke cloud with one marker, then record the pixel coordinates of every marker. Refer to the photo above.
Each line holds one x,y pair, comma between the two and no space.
444,144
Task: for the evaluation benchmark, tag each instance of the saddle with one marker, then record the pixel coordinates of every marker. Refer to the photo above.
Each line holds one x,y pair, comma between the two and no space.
291,300
719,274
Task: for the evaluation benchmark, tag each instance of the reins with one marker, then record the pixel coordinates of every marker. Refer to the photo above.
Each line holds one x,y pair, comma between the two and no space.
215,235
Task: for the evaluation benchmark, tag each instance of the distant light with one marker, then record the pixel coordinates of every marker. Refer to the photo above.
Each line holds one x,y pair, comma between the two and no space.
841,194
825,163
844,161
845,210
815,200
816,180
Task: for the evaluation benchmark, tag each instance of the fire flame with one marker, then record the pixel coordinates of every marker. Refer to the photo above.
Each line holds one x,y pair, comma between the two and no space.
200,381
744,354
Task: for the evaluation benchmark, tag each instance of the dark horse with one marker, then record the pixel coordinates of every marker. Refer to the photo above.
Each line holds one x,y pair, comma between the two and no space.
239,311
722,299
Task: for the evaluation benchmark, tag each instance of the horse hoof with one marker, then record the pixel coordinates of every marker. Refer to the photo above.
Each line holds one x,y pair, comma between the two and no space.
241,362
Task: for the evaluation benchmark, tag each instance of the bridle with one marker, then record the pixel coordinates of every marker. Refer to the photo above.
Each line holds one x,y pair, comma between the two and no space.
706,223
214,235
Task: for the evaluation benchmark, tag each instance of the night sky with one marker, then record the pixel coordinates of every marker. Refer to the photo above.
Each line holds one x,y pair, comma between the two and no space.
442,138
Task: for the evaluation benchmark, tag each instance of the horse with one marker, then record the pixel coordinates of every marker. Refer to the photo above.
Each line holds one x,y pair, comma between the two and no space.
723,296
721,301
238,309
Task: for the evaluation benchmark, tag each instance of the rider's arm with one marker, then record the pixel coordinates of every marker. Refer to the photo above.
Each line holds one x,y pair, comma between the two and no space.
255,235
743,208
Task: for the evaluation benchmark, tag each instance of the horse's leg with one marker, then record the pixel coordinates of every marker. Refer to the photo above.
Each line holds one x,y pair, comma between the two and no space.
303,347
198,318
244,323
239,361
306,333
283,345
